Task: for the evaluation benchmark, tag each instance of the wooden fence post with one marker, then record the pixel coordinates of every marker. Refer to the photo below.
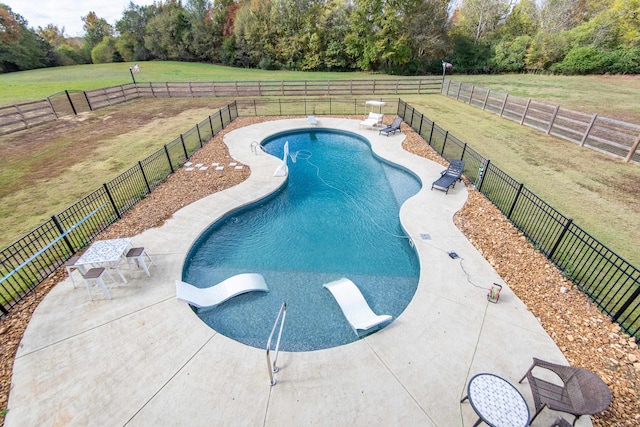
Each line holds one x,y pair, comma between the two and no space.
486,98
54,111
473,87
586,133
524,113
504,104
553,119
633,149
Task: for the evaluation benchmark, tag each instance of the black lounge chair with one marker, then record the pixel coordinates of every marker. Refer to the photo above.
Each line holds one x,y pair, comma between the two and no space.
449,177
393,127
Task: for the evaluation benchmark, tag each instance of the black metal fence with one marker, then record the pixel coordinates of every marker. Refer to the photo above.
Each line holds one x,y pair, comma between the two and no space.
610,281
29,260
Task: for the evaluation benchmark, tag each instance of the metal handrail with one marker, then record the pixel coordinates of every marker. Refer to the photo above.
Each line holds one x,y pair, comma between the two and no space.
272,368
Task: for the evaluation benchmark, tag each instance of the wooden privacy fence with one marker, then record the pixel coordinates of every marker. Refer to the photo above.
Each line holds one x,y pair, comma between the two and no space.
28,261
611,282
22,116
613,137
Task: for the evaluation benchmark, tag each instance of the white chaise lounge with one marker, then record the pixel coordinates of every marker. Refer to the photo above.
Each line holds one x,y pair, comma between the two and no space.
229,288
374,119
354,306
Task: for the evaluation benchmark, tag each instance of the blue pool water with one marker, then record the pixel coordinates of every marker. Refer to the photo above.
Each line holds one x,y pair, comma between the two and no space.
336,216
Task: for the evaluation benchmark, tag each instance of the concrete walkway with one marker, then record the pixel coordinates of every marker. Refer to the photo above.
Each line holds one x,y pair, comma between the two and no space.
144,358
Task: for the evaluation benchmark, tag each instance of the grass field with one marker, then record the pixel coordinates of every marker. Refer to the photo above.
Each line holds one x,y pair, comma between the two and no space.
600,193
58,163
608,96
47,168
38,84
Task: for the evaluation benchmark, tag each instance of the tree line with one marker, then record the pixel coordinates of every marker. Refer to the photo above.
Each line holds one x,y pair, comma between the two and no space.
408,37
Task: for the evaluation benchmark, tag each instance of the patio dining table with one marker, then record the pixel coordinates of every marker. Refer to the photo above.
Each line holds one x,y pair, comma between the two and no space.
107,253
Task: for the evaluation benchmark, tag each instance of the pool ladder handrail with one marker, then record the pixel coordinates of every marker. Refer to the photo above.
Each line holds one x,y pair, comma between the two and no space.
272,368
254,147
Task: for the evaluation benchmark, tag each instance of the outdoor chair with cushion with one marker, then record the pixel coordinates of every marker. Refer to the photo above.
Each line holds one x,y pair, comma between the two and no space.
392,128
71,265
449,177
580,392
374,119
136,256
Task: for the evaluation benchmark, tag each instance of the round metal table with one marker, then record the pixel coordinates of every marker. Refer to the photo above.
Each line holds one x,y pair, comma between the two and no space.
496,401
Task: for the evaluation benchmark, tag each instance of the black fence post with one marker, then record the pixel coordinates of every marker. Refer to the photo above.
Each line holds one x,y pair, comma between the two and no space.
199,136
184,147
464,150
87,98
221,120
71,103
444,143
113,203
515,200
166,150
62,231
420,127
211,125
626,304
433,125
146,181
484,174
564,231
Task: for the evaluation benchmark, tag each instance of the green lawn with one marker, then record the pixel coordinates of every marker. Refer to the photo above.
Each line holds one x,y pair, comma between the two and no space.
38,84
608,96
601,193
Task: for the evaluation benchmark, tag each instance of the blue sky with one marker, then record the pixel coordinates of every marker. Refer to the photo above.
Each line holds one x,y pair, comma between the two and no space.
69,13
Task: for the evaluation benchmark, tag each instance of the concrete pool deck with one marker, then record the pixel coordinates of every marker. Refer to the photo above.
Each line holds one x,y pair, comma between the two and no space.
144,358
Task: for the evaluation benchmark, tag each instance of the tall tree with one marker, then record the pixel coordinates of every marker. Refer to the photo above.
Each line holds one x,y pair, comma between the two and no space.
478,19
20,47
167,34
52,34
377,37
95,29
131,29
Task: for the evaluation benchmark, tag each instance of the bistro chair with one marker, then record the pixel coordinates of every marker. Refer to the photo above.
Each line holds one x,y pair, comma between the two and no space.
136,256
582,392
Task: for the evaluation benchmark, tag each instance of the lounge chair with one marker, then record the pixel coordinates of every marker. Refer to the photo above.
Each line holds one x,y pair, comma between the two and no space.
229,288
449,177
582,392
312,120
374,119
393,127
354,306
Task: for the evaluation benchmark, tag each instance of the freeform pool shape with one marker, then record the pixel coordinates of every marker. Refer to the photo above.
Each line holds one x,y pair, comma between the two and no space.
336,216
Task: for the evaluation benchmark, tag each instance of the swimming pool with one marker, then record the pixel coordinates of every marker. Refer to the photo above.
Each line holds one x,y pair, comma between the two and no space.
336,216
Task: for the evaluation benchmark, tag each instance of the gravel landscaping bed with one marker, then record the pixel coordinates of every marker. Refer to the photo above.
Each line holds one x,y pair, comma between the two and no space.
587,337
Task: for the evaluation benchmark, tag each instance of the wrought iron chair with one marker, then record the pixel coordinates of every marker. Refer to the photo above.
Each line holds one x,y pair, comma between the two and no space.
582,391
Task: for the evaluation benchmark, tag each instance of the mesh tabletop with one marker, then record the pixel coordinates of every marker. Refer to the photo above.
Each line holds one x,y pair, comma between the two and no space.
497,402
